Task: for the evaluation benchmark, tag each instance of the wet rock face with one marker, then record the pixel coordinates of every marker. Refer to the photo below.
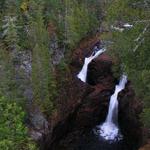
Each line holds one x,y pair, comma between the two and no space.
99,70
94,107
129,111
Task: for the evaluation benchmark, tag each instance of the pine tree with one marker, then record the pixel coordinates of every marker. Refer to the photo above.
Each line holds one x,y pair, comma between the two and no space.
9,46
131,46
43,82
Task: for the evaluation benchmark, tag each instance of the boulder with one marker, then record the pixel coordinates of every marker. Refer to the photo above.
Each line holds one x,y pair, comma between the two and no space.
99,70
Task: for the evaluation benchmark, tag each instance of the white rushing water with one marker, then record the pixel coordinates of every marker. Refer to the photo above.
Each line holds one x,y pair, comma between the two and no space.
83,73
109,129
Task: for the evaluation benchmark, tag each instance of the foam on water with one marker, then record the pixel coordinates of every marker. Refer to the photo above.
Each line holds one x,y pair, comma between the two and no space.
109,130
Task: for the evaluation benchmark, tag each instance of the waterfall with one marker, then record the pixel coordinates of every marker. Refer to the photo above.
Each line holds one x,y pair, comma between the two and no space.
109,129
83,73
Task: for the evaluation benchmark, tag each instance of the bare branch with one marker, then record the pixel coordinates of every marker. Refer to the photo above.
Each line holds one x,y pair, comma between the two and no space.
137,46
141,21
141,34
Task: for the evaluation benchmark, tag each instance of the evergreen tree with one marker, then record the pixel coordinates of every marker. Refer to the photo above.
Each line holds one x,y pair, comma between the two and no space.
13,131
132,45
43,83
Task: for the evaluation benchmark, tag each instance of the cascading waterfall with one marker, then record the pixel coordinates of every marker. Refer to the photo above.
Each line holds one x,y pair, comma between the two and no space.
109,129
83,73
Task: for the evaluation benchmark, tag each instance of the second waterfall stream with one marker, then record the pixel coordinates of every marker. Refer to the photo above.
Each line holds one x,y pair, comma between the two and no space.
109,130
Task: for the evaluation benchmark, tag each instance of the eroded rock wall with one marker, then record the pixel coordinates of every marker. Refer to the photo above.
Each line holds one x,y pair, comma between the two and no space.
87,103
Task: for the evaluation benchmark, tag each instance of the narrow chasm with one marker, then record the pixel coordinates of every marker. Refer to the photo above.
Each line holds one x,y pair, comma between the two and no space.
91,103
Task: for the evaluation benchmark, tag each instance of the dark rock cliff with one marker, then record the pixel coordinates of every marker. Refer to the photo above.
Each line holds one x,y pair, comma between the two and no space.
86,104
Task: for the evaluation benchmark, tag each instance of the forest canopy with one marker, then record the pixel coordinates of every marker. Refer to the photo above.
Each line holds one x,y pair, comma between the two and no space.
38,36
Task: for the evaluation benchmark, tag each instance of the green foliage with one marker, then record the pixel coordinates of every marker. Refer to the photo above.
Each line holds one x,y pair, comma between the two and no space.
23,27
145,117
13,132
10,31
123,11
79,22
43,82
73,19
7,85
10,47
132,47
